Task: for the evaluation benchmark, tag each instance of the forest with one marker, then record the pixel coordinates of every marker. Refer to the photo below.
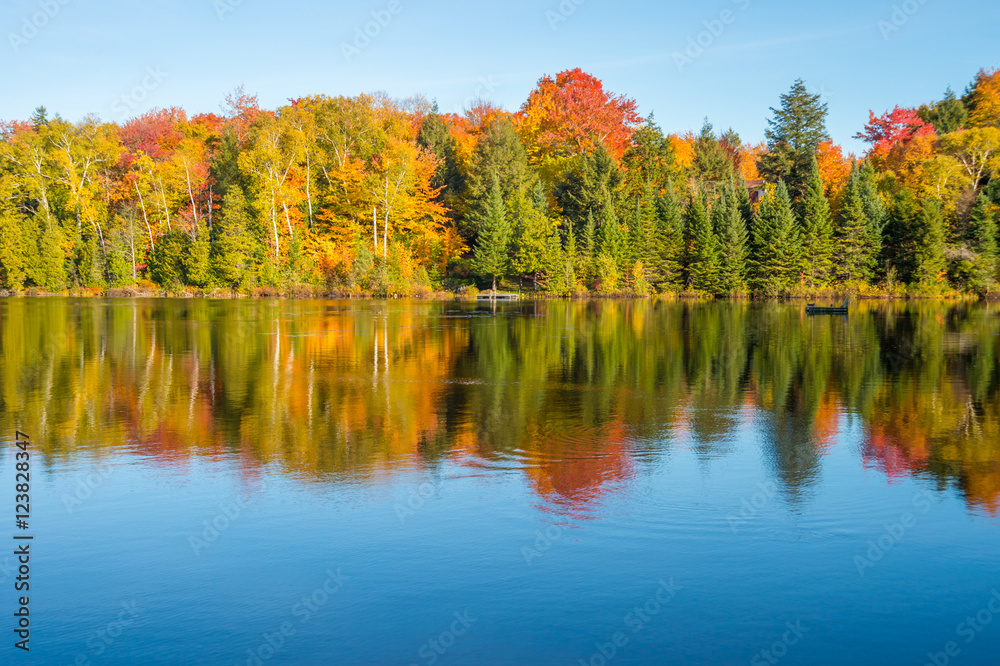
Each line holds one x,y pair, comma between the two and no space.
573,194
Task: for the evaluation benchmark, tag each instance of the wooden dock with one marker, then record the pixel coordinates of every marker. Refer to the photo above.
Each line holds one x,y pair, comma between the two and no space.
497,296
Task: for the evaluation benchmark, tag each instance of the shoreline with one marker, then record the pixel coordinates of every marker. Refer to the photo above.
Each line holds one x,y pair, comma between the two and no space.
309,293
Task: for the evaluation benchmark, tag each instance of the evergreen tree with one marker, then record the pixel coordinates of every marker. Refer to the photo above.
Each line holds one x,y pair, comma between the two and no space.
982,239
499,159
641,225
931,264
435,138
491,253
611,238
793,135
668,243
874,210
535,241
703,251
776,261
12,242
40,117
854,254
650,160
816,231
588,249
197,269
49,271
593,183
746,211
947,115
732,234
899,251
166,261
231,245
711,161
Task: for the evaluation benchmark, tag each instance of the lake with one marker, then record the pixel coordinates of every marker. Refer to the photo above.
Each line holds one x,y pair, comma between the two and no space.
597,483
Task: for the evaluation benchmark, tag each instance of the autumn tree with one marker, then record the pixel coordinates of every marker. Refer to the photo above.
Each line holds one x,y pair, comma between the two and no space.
983,99
571,115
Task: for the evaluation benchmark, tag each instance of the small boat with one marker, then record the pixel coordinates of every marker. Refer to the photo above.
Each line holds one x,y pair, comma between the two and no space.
812,308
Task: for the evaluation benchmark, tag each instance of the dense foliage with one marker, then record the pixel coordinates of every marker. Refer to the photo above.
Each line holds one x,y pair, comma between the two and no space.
573,193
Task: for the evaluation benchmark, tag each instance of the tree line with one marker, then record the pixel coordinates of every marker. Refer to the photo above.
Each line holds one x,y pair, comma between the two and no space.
573,193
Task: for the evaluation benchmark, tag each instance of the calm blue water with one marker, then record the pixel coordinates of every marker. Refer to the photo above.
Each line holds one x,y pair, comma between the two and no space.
422,483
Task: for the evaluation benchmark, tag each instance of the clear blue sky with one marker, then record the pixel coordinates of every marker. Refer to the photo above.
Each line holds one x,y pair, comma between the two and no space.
87,54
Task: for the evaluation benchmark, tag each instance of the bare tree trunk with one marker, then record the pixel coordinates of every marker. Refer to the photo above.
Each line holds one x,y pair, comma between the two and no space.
144,218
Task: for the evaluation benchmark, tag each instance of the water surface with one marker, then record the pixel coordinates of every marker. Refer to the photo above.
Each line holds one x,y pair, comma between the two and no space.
317,482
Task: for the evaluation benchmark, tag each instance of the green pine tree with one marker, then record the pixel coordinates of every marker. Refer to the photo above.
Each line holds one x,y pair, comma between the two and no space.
196,263
774,267
816,231
668,243
931,264
731,231
703,250
230,254
12,242
588,250
535,242
899,249
982,239
793,135
611,239
491,257
854,255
